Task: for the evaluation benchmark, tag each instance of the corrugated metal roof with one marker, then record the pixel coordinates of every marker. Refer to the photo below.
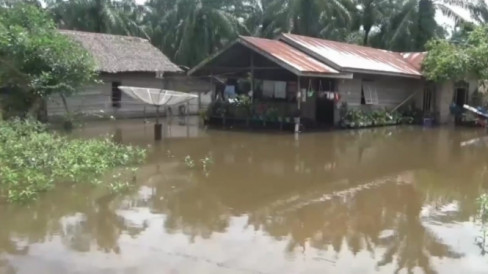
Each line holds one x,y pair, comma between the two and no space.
414,58
289,55
344,56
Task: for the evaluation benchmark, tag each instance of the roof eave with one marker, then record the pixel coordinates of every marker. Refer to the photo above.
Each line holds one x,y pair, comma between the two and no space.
323,75
384,73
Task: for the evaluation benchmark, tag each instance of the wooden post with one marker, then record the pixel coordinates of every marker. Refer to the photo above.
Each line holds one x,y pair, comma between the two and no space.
199,102
158,126
252,77
299,105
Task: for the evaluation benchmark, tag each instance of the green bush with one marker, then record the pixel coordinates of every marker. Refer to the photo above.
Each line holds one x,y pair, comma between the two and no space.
356,118
33,160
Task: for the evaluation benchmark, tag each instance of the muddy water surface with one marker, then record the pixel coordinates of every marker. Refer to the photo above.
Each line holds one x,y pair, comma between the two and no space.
370,201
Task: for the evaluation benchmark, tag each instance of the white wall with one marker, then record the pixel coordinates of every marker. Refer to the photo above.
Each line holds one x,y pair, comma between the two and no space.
96,100
445,96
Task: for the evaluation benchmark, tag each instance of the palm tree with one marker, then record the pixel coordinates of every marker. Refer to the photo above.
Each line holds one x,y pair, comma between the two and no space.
103,16
369,14
190,30
8,3
479,11
404,24
321,18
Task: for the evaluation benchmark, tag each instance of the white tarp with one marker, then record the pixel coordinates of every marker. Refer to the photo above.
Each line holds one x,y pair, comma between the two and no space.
158,97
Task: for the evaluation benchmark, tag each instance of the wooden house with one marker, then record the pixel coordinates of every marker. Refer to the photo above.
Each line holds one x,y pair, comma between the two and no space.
311,78
127,61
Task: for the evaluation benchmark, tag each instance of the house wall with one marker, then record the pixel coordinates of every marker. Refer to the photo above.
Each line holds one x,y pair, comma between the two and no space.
96,99
309,104
445,96
391,91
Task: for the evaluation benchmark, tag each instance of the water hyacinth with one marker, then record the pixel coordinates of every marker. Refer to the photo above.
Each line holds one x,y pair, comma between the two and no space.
32,160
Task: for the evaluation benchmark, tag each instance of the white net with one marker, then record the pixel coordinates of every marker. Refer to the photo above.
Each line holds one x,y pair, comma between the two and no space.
158,97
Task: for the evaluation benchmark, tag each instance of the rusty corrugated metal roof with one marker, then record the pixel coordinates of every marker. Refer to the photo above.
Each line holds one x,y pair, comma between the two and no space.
289,55
343,56
414,58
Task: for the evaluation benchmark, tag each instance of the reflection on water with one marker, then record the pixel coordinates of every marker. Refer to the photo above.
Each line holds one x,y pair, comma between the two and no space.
373,201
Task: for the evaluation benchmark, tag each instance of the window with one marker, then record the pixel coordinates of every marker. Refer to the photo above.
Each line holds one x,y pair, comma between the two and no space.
369,95
274,89
116,95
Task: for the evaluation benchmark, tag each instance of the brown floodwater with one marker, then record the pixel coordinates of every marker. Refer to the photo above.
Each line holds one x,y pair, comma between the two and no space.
369,201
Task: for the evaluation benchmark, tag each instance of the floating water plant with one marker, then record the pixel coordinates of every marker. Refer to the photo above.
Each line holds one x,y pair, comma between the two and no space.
189,162
482,218
206,162
33,160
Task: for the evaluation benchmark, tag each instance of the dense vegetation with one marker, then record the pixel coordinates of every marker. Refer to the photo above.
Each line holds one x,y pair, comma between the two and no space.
189,30
37,61
32,160
457,60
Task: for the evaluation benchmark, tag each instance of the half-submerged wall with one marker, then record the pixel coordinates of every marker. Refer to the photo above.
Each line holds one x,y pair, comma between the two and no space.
378,91
98,99
445,95
370,92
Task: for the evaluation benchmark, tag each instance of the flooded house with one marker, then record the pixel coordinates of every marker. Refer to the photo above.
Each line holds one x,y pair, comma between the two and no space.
127,61
310,82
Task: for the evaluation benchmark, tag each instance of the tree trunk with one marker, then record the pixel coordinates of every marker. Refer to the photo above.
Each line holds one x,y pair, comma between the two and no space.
65,104
38,110
366,36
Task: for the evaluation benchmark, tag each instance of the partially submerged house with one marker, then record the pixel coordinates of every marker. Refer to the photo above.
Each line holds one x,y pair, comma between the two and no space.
314,77
127,61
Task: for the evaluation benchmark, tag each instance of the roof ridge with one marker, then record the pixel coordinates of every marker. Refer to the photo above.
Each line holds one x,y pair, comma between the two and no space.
338,42
356,45
366,52
104,34
118,53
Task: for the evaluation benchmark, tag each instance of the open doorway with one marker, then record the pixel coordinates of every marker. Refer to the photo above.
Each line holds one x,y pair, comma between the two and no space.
429,100
116,95
461,94
324,114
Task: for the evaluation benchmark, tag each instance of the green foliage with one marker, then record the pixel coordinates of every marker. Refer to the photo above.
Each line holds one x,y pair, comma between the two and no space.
36,60
427,25
448,61
482,219
122,17
189,162
202,27
199,28
445,61
206,162
33,160
357,118
461,32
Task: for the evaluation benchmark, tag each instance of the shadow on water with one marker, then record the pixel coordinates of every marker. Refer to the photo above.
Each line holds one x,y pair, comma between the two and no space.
381,200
